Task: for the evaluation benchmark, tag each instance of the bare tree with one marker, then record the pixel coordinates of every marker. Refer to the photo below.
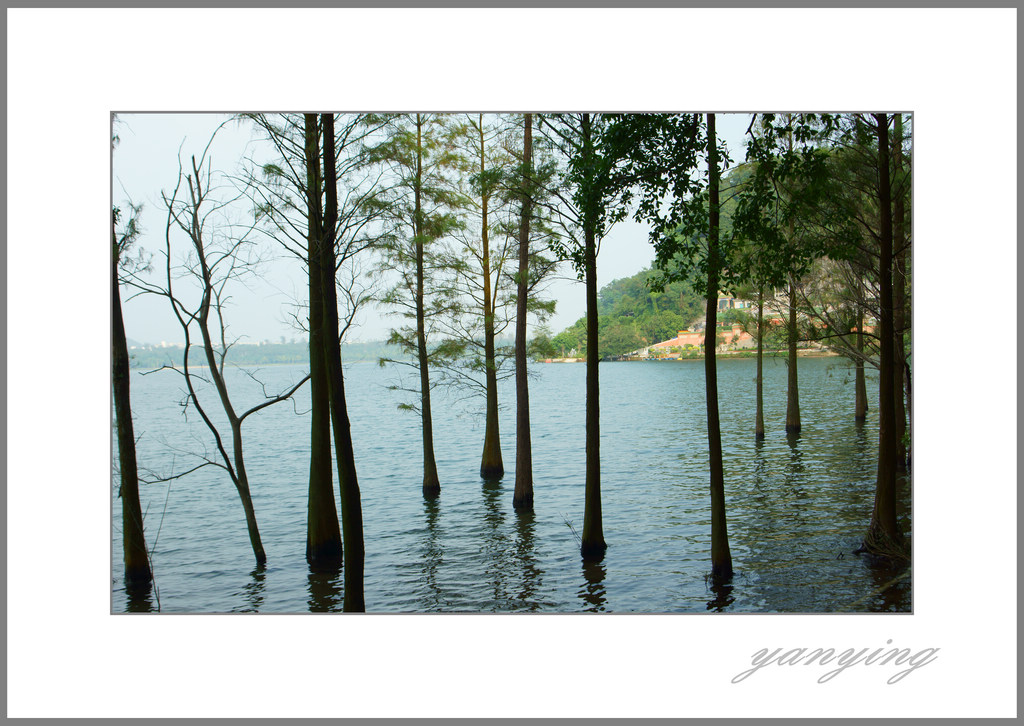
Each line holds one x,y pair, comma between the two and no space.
198,289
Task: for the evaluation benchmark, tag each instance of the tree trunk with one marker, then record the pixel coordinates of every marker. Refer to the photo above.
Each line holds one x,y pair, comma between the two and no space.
242,485
137,571
792,386
351,505
759,421
883,535
237,473
323,536
860,411
899,299
431,483
491,465
593,544
522,498
721,558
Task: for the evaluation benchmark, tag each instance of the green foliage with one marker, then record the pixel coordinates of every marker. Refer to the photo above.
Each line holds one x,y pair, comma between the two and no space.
633,315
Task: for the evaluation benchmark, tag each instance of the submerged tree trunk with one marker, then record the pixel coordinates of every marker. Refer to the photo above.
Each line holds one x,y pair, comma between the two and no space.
431,483
491,465
860,411
522,498
792,385
759,421
884,536
721,558
593,544
137,571
351,505
323,536
242,485
899,298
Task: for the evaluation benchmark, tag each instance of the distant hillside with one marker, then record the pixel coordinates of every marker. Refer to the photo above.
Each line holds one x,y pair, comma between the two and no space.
631,316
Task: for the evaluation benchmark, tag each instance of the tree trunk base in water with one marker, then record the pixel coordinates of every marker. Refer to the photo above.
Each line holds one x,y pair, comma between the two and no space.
759,436
879,543
431,489
325,558
138,576
492,472
522,502
792,428
721,574
592,551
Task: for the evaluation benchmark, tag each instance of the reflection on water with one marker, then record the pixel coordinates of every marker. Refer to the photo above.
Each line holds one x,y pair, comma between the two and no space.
494,542
525,555
326,591
592,592
254,590
797,506
722,591
432,557
140,599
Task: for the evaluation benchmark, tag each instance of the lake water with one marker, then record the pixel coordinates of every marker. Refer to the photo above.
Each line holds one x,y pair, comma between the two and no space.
797,507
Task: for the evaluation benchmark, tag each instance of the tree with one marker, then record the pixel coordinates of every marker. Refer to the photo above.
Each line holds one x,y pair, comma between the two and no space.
291,193
351,506
684,212
324,547
884,535
137,570
214,261
522,497
418,152
589,205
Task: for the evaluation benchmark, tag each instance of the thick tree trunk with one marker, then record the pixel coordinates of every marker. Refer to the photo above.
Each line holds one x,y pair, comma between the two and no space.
792,383
884,536
759,421
431,483
899,298
522,498
137,572
351,505
323,536
593,544
491,465
721,558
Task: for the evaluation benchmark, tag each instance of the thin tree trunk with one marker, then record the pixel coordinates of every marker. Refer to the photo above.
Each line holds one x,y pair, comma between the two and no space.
137,571
883,535
491,465
792,384
351,505
593,544
242,485
522,498
431,483
323,536
721,558
860,412
899,299
759,421
238,475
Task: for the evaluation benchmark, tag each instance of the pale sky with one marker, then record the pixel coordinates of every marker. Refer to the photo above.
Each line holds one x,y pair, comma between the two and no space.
146,163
